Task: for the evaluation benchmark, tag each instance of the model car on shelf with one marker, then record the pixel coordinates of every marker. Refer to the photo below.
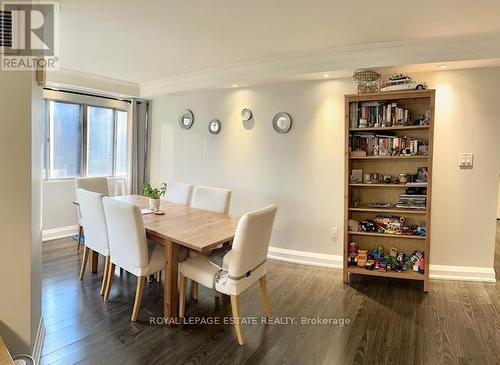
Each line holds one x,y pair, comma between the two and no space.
402,82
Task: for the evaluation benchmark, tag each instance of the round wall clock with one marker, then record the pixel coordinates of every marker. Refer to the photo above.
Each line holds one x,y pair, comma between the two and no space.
282,122
214,126
246,115
186,119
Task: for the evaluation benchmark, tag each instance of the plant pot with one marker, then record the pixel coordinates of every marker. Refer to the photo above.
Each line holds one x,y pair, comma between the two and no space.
154,204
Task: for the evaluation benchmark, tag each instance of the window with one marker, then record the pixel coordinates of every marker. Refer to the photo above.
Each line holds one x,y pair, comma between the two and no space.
87,138
100,124
65,134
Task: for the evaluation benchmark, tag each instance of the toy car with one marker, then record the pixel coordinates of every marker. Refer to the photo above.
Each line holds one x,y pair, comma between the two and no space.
402,82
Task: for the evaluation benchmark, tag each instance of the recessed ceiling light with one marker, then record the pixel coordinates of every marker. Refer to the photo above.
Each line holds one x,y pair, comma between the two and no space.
235,85
443,66
326,75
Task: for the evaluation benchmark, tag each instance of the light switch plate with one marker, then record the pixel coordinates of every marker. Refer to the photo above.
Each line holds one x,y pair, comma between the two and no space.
334,234
466,160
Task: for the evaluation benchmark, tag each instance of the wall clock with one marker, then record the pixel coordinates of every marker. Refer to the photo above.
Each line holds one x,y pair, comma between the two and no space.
214,126
246,115
186,119
282,122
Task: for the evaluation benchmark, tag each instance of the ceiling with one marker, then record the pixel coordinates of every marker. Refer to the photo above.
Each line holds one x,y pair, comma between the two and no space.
146,41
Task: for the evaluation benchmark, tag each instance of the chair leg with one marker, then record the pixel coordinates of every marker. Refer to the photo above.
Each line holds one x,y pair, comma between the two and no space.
264,297
107,264
80,231
86,252
235,306
194,290
138,297
109,281
182,296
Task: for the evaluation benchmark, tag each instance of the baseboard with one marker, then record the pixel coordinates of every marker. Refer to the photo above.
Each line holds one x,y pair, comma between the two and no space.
61,232
37,346
437,272
305,258
462,273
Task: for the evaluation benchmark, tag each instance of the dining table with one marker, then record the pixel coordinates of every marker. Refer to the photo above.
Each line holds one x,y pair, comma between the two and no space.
180,226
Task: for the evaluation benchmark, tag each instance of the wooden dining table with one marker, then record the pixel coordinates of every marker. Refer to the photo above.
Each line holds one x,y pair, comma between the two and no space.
181,226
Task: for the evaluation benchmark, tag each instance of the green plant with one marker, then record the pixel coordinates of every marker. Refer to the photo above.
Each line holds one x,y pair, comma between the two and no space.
154,193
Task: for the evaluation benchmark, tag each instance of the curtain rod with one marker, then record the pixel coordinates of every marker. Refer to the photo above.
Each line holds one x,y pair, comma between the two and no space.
93,95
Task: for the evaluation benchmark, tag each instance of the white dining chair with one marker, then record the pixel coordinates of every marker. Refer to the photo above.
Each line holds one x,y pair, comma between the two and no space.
215,200
95,184
178,193
243,266
129,247
96,232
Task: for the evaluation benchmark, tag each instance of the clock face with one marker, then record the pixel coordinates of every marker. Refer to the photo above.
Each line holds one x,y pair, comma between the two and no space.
214,126
246,115
282,122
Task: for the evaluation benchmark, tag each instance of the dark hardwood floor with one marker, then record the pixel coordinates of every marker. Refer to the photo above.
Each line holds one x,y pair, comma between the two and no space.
391,322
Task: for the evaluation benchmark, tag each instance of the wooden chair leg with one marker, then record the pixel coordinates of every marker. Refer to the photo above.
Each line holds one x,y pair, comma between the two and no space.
86,252
264,297
235,307
107,264
138,297
109,281
194,290
182,296
80,232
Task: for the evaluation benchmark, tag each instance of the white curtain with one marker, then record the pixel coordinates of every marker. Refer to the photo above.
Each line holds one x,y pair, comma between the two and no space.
138,145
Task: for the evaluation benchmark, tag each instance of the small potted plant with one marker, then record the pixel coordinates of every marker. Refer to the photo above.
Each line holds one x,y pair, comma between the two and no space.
154,195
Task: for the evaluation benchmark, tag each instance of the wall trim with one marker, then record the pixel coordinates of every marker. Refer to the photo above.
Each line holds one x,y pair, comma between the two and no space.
286,67
305,258
437,272
61,232
38,344
462,273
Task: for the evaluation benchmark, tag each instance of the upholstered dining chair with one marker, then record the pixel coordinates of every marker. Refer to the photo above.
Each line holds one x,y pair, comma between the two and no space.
95,184
243,266
96,232
129,247
178,193
215,200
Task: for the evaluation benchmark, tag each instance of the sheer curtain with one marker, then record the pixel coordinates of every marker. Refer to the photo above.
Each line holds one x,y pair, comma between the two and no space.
138,145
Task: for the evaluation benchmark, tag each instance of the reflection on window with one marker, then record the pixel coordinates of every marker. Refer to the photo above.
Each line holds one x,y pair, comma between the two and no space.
65,137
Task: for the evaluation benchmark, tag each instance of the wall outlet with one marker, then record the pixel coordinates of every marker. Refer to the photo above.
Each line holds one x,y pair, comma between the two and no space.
466,160
334,234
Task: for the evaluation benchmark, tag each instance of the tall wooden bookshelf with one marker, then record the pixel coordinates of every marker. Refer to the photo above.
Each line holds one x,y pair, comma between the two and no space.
418,102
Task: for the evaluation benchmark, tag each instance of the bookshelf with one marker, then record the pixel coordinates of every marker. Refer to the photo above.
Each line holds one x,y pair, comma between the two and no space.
394,144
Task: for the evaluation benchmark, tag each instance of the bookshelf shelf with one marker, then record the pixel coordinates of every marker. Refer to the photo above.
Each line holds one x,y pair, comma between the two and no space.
397,210
416,157
412,275
399,128
389,108
401,236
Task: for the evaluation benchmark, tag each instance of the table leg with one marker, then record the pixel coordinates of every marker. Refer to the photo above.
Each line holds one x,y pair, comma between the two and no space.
171,298
94,260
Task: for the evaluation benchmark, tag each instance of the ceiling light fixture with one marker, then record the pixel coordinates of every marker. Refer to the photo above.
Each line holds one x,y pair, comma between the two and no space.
443,66
235,85
326,75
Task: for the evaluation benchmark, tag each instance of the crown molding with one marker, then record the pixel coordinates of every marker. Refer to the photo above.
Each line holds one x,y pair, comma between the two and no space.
286,67
90,83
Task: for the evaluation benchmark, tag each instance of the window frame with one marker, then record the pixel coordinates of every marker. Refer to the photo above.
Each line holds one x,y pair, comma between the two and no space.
84,101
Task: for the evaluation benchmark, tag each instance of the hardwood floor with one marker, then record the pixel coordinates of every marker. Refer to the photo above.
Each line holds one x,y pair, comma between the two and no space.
391,322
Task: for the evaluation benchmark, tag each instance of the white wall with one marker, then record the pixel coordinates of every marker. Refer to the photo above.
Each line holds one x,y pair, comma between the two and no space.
20,212
303,171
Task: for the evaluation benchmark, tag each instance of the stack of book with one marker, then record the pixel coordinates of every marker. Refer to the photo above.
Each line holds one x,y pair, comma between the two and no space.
379,114
385,145
412,201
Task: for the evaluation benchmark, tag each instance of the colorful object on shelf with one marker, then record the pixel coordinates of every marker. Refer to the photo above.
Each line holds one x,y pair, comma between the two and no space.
362,258
367,81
